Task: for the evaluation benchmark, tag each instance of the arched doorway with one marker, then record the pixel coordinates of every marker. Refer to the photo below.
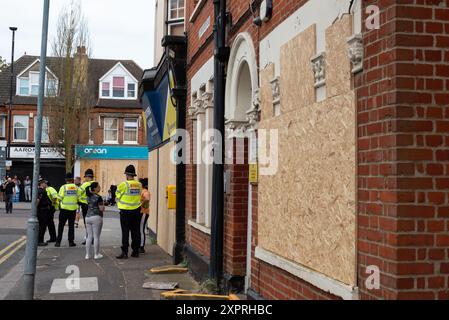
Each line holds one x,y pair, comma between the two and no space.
241,104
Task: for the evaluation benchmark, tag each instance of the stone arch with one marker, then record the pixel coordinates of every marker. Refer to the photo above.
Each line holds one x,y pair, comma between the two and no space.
242,82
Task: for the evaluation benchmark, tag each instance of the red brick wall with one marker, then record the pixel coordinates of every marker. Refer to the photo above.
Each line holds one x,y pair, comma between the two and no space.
403,125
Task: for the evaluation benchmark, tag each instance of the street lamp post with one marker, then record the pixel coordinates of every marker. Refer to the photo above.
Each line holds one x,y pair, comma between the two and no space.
33,224
11,90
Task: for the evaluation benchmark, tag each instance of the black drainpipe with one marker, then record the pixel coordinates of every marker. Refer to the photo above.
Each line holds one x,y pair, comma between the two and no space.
176,53
221,55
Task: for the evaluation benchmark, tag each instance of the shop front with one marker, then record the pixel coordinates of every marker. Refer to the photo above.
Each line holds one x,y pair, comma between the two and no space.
52,163
109,163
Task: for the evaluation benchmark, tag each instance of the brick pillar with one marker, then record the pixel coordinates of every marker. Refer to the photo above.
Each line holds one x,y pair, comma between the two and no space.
236,218
403,157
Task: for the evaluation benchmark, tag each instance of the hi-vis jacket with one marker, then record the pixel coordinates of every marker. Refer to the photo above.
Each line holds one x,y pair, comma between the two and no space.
128,195
53,196
68,194
82,196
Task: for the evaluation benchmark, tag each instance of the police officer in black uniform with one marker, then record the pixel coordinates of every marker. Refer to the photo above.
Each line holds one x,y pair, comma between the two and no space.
44,207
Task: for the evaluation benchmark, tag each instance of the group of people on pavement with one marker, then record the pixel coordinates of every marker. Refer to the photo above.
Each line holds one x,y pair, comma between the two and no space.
132,197
14,190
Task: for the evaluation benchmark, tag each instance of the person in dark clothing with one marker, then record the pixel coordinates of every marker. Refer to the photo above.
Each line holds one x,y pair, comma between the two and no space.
53,196
10,191
43,211
113,189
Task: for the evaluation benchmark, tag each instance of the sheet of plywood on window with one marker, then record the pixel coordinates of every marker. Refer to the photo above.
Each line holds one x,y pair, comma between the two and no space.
152,188
338,66
297,78
166,218
307,209
266,94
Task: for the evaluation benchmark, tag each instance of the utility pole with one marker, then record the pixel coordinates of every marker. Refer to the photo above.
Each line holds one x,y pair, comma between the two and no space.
33,224
11,90
221,55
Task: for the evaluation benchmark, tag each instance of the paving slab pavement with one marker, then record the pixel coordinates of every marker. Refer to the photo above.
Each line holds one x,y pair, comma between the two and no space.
116,279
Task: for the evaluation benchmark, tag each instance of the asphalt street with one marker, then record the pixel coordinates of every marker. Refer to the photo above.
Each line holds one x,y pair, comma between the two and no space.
58,269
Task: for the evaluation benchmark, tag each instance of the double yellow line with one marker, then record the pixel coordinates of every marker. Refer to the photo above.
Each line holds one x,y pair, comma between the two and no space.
12,248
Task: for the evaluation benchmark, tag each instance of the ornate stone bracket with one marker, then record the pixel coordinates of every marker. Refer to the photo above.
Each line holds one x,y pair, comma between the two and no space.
319,69
356,52
201,101
253,115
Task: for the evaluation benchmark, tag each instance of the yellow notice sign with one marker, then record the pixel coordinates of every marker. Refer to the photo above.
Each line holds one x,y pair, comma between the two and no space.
253,173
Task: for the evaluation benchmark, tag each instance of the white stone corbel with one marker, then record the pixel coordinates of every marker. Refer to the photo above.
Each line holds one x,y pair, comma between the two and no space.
253,115
319,69
356,52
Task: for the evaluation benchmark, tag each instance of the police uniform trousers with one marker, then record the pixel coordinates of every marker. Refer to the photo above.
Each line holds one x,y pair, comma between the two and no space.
84,208
42,218
130,222
51,224
64,216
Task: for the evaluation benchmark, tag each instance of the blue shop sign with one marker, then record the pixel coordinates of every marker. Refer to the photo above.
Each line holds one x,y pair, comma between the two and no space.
111,152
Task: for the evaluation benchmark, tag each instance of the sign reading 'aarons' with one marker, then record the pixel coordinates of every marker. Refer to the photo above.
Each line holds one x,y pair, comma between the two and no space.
27,152
111,152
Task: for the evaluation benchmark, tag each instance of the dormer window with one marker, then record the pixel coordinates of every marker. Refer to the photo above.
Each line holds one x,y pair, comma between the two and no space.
28,82
118,83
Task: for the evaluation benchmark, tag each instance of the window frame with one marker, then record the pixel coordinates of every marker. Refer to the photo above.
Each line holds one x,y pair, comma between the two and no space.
136,130
3,126
116,130
169,11
27,128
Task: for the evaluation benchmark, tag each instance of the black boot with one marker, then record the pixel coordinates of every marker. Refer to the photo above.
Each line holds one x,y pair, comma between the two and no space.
141,250
123,255
72,244
135,254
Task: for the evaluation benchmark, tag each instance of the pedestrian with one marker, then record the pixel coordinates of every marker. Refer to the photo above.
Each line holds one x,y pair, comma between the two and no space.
54,197
82,196
145,211
68,198
17,183
27,188
77,217
43,211
10,190
94,220
113,190
128,200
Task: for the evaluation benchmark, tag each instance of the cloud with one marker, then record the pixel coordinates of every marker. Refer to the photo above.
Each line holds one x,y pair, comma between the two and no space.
118,29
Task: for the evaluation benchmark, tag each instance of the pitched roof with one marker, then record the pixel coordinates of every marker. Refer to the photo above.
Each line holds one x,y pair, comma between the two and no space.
96,69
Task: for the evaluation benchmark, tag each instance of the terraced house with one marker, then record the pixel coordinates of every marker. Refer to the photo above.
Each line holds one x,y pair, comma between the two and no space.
112,119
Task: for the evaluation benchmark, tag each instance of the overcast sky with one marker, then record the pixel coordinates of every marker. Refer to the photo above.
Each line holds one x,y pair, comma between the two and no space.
118,29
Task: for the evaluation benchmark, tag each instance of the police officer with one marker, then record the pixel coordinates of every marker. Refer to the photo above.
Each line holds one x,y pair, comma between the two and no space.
68,195
43,211
54,197
128,201
82,197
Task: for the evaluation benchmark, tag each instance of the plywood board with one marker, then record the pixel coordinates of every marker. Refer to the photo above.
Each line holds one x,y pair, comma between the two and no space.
152,188
166,217
307,210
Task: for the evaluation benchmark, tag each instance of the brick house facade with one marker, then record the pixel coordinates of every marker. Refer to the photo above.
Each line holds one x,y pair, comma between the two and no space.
399,172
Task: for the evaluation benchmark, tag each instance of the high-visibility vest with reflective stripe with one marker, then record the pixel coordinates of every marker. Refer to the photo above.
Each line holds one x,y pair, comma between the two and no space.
82,196
54,197
128,195
69,197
